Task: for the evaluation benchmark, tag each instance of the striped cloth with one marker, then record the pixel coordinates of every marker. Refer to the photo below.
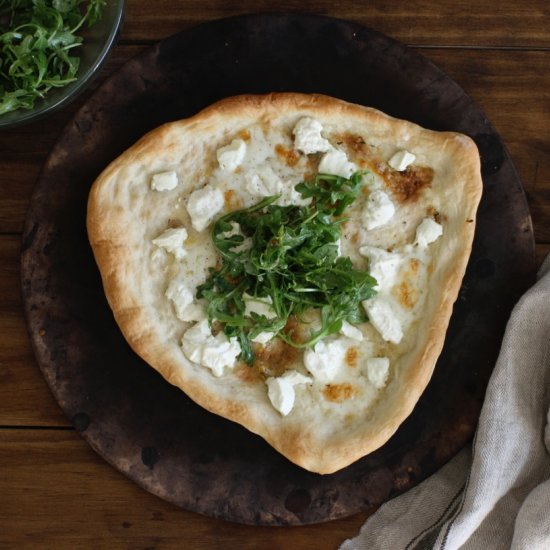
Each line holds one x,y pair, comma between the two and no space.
496,493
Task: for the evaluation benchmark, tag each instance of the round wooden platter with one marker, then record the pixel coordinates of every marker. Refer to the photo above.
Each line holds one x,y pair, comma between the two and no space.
149,430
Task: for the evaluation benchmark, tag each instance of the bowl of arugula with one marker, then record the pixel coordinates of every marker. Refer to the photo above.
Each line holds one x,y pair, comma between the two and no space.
50,51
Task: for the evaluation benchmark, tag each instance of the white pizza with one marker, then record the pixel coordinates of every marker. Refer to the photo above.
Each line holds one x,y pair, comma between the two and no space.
290,261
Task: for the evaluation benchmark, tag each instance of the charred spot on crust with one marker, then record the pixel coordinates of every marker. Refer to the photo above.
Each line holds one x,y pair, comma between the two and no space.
356,143
247,374
339,392
351,356
406,295
231,200
435,214
290,156
274,358
407,185
244,134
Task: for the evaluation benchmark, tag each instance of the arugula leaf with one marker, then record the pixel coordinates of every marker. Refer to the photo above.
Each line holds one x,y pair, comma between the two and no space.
292,259
36,37
332,193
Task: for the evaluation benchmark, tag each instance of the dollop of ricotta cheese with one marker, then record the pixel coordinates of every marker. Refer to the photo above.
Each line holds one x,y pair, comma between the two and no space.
264,182
377,371
383,265
384,319
308,138
378,210
164,181
281,391
172,241
263,337
214,352
349,331
335,162
326,359
231,156
428,232
261,306
401,160
184,304
203,206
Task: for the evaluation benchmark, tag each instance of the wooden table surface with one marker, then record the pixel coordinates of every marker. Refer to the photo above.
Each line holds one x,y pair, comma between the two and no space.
55,492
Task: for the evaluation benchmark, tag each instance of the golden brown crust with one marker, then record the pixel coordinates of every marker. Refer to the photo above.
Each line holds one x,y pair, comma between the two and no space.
119,223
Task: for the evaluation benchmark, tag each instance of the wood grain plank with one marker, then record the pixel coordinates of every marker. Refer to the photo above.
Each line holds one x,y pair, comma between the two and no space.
447,23
97,507
16,185
25,399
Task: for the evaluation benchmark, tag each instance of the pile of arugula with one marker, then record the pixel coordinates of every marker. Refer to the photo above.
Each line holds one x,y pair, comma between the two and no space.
289,256
37,39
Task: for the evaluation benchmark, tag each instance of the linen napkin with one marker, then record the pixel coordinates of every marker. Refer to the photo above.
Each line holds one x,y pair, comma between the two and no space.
496,493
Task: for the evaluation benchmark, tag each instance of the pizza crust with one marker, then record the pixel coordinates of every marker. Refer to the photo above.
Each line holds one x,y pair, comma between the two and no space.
124,215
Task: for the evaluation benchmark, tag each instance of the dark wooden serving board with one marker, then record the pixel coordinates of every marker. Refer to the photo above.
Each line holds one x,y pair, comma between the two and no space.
151,431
